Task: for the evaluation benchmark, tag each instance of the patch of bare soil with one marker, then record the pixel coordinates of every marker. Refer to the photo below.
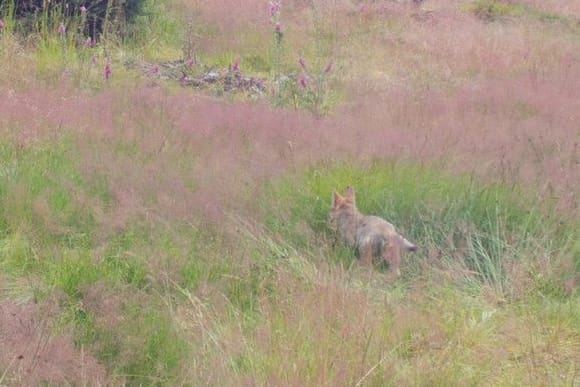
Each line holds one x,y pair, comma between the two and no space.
31,354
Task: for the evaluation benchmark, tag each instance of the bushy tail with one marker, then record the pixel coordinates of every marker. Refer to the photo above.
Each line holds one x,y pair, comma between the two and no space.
408,245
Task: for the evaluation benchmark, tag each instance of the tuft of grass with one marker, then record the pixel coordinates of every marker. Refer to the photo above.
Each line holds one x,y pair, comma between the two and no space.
490,10
493,10
156,32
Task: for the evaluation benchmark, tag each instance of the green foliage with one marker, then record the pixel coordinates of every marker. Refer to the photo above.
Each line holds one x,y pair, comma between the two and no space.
97,16
257,63
244,292
491,10
198,271
156,31
41,193
17,257
72,272
157,351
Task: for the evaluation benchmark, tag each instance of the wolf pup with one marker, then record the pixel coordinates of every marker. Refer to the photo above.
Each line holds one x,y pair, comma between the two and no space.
372,237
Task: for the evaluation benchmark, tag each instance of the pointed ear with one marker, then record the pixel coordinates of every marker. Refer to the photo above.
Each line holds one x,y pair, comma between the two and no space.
337,199
349,194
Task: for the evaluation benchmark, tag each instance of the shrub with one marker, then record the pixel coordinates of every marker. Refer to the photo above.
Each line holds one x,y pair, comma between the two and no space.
97,16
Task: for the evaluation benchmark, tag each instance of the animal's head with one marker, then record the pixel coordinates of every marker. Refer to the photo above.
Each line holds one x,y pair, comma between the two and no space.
341,204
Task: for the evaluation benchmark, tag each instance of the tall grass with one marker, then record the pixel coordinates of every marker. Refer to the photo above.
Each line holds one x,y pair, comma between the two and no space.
169,239
49,229
267,297
55,48
481,230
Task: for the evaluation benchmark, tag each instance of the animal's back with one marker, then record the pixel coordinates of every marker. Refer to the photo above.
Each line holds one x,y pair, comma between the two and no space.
371,225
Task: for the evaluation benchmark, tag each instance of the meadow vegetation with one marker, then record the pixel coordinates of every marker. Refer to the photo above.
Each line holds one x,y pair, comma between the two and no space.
161,232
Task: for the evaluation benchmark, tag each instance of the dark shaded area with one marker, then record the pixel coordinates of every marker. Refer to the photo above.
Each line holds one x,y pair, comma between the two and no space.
92,17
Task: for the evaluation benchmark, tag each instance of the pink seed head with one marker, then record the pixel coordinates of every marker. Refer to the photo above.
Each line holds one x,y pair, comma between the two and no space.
362,8
302,62
83,10
1,24
89,42
278,28
236,65
303,82
155,70
62,29
190,62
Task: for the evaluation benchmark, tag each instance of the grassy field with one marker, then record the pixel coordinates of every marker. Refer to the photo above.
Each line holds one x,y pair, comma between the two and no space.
159,230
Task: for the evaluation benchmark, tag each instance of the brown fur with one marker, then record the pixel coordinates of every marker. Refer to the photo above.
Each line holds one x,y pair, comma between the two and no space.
372,237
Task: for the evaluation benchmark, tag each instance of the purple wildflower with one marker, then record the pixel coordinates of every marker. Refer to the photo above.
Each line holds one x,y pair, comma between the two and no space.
108,70
274,8
278,28
1,24
62,29
328,68
184,80
303,82
83,10
190,62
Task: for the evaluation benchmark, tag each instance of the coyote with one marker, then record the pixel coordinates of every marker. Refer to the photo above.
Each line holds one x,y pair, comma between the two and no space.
371,236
